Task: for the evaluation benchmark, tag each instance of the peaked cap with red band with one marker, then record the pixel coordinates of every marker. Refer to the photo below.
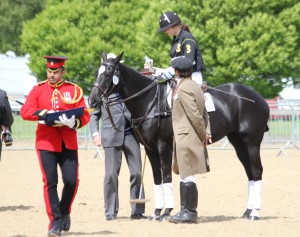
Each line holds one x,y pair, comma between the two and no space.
55,61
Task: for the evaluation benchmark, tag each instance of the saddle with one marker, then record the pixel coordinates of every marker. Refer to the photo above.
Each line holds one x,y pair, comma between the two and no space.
163,108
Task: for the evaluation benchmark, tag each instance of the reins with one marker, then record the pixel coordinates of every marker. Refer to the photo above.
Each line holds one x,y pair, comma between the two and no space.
134,95
107,103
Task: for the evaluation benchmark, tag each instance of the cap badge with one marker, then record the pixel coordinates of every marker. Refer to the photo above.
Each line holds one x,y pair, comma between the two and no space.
166,18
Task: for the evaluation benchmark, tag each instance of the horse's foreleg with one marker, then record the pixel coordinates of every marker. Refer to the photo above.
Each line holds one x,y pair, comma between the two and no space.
159,197
158,186
165,151
169,201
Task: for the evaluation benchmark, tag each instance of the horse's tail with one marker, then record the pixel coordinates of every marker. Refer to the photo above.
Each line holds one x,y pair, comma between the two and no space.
267,128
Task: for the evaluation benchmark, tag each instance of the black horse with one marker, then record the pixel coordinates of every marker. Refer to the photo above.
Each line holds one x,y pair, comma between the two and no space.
240,113
6,121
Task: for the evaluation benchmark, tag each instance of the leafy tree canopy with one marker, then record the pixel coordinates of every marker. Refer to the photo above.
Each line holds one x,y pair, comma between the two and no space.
254,42
13,14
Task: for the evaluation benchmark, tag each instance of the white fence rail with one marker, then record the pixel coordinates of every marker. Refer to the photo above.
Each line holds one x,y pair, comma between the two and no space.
284,130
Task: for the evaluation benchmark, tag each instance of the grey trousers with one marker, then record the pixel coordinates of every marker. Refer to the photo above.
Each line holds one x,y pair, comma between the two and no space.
113,161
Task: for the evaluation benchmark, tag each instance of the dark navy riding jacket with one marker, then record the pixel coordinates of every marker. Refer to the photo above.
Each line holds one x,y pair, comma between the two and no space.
186,45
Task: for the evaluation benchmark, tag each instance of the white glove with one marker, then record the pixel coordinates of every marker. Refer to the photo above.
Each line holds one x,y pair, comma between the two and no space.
70,122
169,73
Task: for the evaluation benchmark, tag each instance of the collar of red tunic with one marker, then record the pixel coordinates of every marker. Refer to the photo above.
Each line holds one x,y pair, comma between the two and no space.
56,84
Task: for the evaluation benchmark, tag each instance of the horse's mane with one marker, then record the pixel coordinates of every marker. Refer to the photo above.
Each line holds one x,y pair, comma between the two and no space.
128,72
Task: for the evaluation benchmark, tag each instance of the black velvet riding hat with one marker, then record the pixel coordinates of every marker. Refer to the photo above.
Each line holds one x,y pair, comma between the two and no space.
182,64
167,20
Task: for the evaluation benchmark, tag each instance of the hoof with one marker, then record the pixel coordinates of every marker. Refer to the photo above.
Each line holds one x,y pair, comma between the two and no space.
164,217
254,218
246,214
154,218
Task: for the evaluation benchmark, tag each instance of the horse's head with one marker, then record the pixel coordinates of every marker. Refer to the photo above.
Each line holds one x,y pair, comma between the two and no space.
106,80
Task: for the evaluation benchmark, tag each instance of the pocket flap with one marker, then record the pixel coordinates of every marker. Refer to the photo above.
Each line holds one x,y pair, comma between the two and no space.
184,130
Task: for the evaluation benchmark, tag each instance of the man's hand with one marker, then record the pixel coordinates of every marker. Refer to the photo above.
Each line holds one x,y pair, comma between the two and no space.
97,140
70,122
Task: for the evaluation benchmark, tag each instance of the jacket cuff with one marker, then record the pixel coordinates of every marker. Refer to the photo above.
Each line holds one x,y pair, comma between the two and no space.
77,124
41,114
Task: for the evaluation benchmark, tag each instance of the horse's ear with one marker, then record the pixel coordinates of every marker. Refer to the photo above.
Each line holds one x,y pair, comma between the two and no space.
119,57
104,56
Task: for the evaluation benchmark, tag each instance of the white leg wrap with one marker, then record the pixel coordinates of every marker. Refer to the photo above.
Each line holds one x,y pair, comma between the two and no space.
254,213
250,194
257,195
159,196
169,195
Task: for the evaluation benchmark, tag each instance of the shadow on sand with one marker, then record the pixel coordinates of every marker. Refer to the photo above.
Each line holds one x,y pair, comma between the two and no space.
15,208
208,219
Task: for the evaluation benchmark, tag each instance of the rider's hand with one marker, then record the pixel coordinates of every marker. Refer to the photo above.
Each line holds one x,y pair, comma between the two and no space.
70,122
169,73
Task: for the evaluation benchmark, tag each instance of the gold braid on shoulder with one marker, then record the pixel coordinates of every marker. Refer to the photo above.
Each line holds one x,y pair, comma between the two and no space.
74,100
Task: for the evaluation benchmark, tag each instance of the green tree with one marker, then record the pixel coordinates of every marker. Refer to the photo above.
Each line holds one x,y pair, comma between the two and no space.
254,42
13,14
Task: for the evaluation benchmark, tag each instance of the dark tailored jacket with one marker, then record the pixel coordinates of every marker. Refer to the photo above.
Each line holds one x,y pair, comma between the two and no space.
46,96
111,137
186,45
6,118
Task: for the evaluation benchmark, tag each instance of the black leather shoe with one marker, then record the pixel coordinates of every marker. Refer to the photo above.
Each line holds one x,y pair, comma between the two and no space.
54,232
138,216
66,222
7,138
111,217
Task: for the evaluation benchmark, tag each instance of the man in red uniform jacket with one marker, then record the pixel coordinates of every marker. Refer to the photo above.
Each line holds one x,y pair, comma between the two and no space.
56,141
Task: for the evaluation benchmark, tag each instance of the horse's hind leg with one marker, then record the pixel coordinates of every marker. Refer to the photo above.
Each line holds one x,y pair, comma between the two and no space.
255,192
249,155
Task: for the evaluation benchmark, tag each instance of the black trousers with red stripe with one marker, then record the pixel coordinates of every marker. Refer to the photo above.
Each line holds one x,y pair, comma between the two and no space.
68,163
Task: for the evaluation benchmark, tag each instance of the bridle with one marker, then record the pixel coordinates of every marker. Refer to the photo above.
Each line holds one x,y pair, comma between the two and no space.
104,91
114,82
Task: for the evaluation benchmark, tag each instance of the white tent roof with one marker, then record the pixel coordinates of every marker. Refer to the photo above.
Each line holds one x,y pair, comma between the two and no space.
290,93
15,76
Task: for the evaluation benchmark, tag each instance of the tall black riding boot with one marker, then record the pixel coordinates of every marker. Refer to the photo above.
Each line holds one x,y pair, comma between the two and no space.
189,202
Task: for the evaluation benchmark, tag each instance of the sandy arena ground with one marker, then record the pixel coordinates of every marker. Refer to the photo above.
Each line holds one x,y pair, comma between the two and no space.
222,199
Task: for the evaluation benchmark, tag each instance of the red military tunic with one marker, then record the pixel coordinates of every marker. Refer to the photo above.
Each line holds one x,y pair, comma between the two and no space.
63,96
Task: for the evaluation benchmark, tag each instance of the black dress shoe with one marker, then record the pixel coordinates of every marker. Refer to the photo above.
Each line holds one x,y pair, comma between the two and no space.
66,222
138,216
111,217
54,232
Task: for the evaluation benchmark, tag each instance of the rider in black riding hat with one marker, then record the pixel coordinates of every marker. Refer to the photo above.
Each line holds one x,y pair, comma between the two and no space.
184,43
